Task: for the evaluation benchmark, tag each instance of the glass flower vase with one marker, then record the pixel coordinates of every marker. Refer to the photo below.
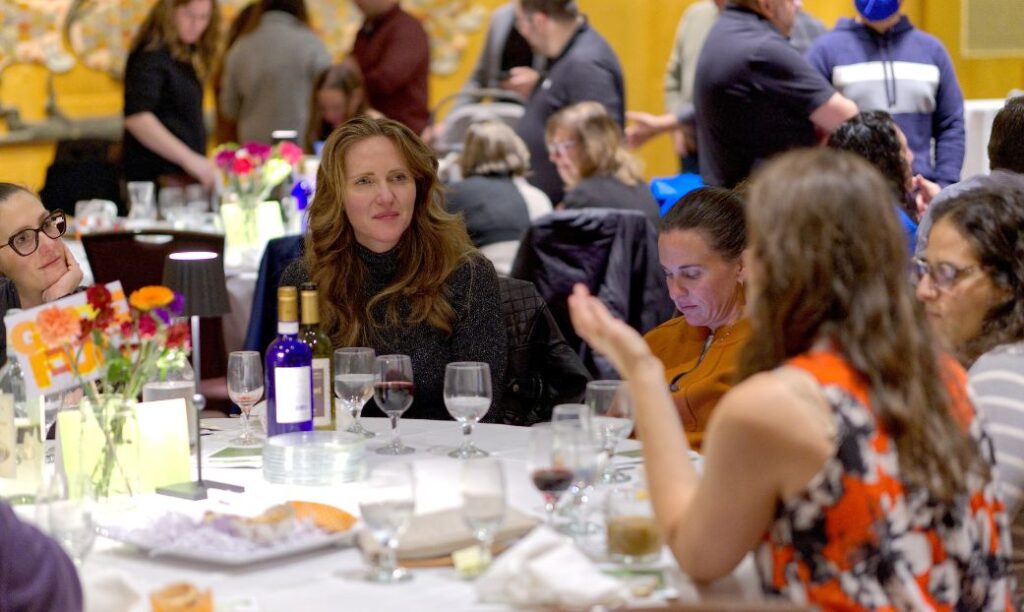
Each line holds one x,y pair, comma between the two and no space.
109,440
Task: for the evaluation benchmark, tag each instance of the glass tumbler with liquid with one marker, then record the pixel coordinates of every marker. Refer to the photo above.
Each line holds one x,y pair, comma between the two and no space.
633,535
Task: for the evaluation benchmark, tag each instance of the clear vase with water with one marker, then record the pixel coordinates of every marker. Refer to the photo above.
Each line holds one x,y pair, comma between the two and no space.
174,380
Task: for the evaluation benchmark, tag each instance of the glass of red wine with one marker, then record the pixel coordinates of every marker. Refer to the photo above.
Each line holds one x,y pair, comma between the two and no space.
551,473
393,391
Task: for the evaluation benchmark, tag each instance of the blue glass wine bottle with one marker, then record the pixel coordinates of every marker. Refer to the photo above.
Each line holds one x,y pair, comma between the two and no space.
289,371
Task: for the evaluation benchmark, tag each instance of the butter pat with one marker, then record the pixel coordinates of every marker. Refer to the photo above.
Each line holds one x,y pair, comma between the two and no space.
470,562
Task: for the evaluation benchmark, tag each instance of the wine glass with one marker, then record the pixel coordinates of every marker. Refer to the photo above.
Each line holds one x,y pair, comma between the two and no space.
393,391
386,505
612,409
467,395
67,517
353,383
483,502
573,416
577,450
245,388
549,469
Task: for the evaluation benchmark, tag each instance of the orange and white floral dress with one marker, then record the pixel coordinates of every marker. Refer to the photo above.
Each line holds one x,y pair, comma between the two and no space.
857,538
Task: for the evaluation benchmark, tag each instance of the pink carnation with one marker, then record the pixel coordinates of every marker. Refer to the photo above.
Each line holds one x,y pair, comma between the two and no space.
290,152
258,150
224,158
242,166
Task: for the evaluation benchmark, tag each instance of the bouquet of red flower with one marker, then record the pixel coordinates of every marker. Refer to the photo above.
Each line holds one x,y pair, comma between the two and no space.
129,347
254,169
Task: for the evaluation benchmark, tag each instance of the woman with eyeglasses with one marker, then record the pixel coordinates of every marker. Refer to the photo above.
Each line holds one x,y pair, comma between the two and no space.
700,248
35,264
586,146
971,281
847,458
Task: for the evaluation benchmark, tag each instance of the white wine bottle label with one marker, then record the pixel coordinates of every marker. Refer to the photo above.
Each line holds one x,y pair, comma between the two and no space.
321,391
291,394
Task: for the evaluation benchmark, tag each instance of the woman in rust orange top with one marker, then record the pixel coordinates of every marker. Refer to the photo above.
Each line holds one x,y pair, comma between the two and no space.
847,457
700,247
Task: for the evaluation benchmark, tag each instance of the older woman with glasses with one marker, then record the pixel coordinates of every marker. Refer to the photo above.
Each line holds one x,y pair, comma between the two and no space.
971,281
35,265
586,146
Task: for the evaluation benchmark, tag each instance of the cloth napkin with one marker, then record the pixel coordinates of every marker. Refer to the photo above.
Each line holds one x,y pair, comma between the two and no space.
109,591
546,569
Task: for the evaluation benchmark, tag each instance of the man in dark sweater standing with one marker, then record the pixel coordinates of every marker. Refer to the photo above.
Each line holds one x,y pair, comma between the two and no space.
393,53
581,66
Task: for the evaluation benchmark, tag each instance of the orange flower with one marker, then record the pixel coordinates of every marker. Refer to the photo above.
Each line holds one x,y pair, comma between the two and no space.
58,326
151,297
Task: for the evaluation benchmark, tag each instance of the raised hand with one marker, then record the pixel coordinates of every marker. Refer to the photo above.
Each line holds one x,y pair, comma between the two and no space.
611,337
68,282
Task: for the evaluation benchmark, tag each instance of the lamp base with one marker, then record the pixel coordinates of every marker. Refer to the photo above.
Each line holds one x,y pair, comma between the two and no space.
196,489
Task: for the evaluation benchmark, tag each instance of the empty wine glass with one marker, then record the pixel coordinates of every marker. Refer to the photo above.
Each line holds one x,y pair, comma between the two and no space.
483,502
549,469
141,196
67,516
386,505
353,383
575,416
612,421
393,391
577,450
467,395
245,388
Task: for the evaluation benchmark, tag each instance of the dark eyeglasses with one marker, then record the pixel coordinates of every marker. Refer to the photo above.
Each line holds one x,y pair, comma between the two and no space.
26,241
942,275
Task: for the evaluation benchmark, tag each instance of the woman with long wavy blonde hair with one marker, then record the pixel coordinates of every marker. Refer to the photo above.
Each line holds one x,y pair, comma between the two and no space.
848,457
171,55
395,271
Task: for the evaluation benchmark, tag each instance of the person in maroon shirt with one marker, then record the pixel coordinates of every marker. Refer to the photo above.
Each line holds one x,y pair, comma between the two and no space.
394,55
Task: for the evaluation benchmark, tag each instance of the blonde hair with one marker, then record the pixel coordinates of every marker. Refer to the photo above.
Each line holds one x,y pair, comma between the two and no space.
599,138
158,29
433,246
492,147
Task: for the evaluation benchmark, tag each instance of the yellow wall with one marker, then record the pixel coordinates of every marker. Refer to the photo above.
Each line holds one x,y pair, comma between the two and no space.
641,32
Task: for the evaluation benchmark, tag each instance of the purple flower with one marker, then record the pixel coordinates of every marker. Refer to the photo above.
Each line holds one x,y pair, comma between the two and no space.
177,305
258,150
163,314
224,158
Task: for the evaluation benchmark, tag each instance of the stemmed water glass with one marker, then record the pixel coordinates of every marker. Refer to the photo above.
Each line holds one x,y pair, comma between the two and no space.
393,391
483,502
245,388
467,395
574,416
583,458
67,516
353,383
612,421
386,506
549,468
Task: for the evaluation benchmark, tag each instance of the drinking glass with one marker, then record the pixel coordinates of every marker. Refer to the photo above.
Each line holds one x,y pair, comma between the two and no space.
171,203
549,468
245,388
483,502
386,505
353,383
612,422
67,518
141,198
633,535
467,395
573,416
582,456
393,391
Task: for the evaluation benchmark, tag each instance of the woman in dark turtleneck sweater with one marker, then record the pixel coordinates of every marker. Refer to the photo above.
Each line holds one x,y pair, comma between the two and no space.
396,272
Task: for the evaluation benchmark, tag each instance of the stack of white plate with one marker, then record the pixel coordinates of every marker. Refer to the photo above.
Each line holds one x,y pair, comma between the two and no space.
314,458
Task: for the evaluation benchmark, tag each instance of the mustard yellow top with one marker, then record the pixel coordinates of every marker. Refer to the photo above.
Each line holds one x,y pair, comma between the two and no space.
679,346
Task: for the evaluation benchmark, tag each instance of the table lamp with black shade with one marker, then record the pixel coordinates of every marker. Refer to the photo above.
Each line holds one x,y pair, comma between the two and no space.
199,277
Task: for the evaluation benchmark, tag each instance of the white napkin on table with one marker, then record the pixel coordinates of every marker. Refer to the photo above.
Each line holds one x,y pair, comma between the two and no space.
109,591
546,569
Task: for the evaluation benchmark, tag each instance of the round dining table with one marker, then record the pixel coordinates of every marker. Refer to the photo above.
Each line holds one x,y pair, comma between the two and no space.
329,578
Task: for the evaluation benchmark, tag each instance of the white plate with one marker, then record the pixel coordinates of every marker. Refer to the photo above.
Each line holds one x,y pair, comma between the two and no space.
218,556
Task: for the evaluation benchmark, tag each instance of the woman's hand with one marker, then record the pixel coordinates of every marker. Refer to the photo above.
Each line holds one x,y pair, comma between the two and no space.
924,191
68,282
202,169
611,337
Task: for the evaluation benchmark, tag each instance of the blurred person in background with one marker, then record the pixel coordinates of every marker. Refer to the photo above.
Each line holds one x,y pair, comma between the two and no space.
338,95
171,55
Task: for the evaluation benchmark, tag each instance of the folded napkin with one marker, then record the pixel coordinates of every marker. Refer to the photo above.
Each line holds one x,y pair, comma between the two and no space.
439,534
109,591
546,569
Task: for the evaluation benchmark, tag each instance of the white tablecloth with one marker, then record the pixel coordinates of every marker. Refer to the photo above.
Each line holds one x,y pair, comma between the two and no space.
328,579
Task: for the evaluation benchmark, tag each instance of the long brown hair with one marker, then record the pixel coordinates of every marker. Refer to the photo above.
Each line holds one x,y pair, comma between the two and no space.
158,30
434,245
343,77
599,138
829,263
